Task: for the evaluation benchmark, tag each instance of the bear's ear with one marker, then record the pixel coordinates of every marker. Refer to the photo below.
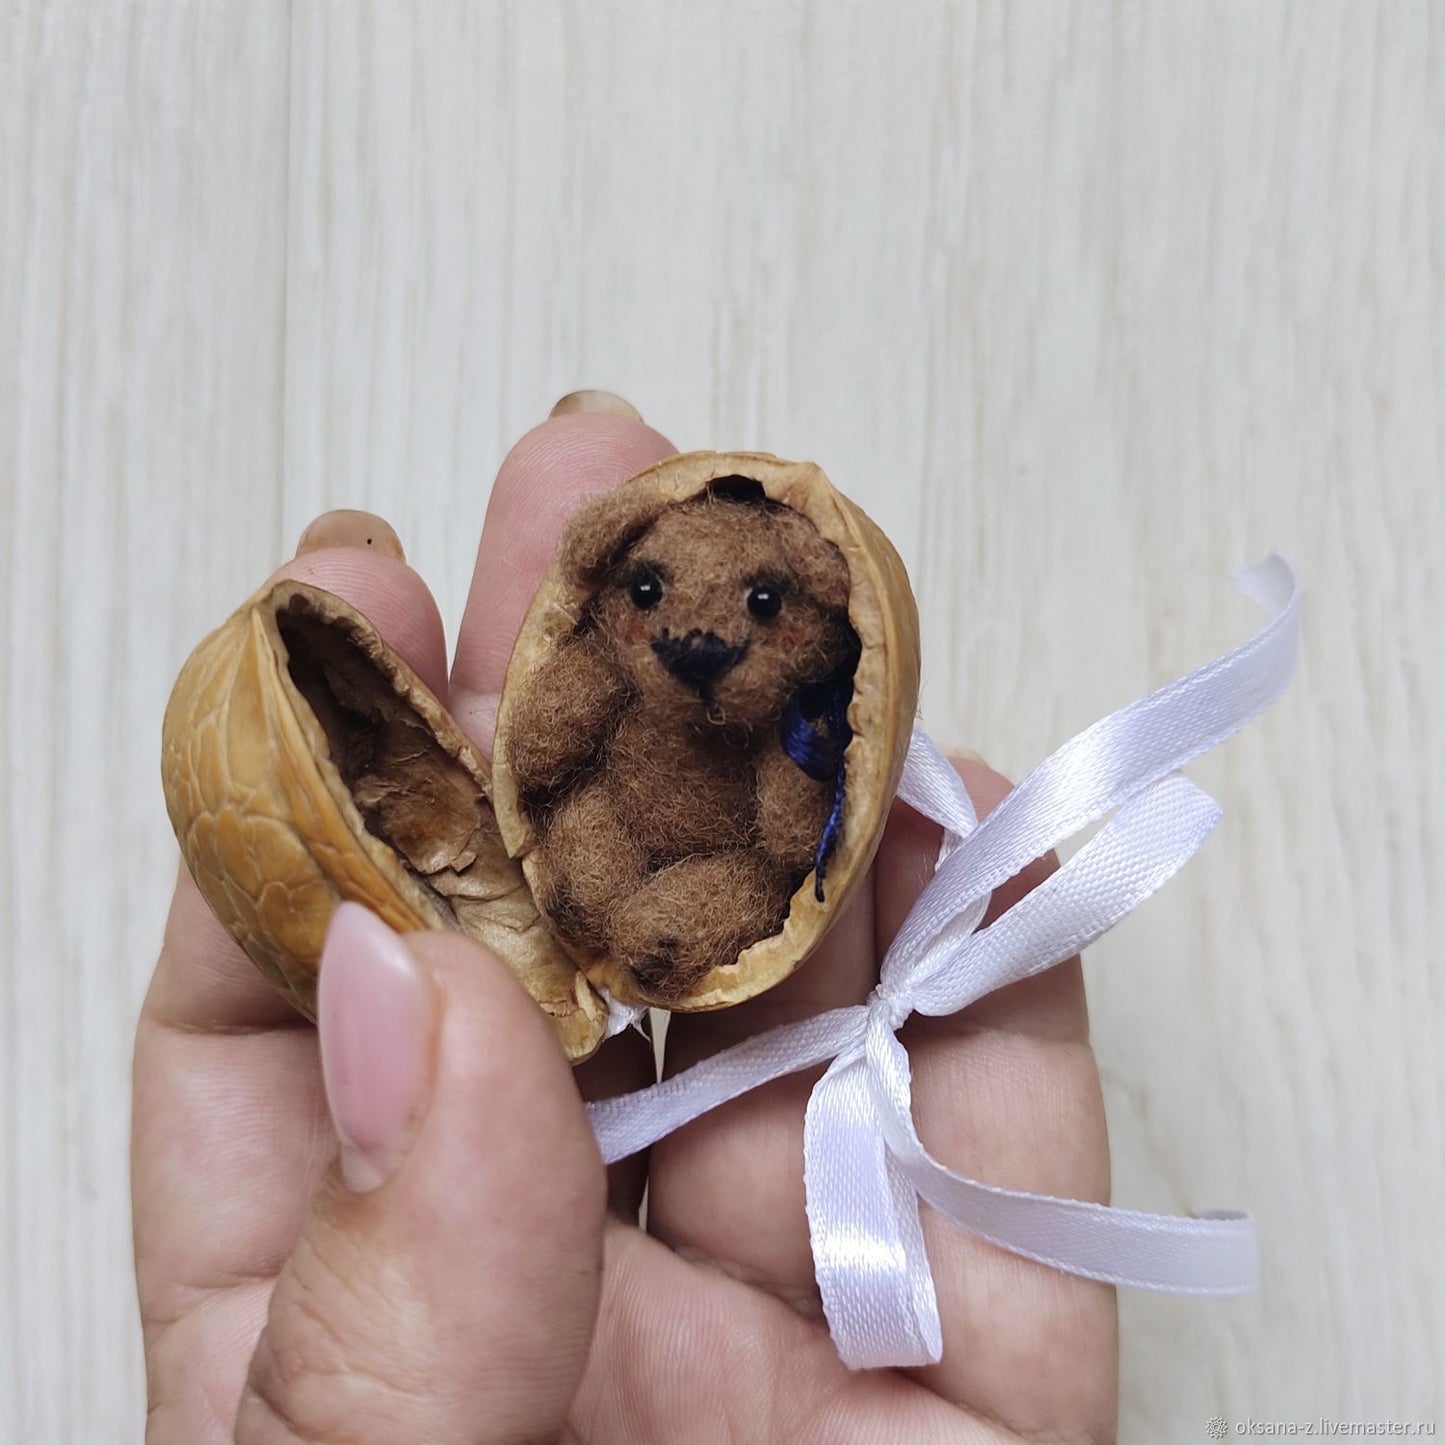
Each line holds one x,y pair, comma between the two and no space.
820,568
598,536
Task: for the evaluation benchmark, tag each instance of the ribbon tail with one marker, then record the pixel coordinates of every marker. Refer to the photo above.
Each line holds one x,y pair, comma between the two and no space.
1210,1254
867,1237
1207,1254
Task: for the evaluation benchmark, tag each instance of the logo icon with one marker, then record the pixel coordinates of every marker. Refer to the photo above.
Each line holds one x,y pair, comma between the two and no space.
1216,1427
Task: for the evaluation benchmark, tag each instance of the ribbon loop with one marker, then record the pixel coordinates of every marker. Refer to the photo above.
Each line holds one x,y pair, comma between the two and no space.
865,1168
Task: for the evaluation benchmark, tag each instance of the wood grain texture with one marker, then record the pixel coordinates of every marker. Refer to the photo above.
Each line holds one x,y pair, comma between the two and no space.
1087,306
142,264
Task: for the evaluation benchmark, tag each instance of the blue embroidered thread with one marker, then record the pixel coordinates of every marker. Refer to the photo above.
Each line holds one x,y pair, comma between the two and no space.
815,734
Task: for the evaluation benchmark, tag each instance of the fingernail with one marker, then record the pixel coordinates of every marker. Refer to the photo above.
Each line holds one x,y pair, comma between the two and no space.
348,528
376,1014
595,403
965,755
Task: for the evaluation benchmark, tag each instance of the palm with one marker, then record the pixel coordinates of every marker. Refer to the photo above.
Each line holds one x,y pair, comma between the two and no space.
709,1323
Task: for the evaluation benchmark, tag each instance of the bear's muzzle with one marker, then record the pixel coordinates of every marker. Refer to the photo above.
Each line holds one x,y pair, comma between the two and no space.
698,659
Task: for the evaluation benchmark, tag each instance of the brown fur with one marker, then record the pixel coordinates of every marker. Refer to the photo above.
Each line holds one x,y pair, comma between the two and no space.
672,826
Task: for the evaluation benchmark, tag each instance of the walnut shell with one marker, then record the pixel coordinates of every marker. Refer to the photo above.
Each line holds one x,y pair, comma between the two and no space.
305,763
881,610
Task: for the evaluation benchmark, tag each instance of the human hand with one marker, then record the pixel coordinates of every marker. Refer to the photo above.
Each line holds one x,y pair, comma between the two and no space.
454,1275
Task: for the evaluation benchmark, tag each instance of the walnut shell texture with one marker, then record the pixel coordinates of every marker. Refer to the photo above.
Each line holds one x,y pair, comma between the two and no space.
304,763
882,612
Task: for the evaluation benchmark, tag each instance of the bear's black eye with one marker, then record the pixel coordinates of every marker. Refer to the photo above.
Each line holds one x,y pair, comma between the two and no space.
645,589
765,600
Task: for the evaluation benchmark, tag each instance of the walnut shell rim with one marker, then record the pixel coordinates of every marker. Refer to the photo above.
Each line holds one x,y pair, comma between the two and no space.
881,610
274,837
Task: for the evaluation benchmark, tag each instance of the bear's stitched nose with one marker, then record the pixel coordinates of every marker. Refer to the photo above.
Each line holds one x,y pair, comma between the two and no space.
698,658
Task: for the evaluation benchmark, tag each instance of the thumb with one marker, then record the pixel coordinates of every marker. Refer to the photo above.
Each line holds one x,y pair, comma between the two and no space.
445,1283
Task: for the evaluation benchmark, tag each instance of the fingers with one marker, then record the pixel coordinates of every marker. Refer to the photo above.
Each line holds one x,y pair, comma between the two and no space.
546,477
729,1187
445,1283
226,1146
749,1152
1007,1092
679,1346
591,442
229,1138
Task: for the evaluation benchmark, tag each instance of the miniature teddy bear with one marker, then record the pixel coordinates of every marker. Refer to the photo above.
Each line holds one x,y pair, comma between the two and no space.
649,750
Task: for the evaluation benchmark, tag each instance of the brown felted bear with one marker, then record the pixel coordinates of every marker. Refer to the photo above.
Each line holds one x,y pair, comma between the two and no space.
648,750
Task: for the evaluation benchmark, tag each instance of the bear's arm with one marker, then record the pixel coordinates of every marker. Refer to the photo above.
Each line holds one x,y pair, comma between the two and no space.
563,716
792,810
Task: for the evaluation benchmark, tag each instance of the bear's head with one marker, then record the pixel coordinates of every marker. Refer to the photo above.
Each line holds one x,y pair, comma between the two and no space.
721,608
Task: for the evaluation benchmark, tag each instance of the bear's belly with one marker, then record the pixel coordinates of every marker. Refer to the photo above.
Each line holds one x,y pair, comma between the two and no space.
679,792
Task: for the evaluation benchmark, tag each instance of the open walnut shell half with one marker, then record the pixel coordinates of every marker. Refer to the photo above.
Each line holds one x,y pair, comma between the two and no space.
305,763
563,623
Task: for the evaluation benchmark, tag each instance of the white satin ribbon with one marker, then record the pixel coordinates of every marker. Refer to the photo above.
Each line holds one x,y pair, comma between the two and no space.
865,1168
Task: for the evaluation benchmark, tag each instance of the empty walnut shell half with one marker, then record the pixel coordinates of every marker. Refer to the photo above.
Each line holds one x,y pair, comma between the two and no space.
581,611
304,764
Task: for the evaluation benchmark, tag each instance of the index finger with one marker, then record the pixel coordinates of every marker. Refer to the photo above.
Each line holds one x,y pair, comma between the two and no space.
547,476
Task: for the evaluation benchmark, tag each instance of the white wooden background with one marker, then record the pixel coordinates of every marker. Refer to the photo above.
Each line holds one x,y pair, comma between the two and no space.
1087,304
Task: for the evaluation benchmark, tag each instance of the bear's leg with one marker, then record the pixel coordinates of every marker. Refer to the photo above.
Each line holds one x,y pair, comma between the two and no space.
591,864
696,915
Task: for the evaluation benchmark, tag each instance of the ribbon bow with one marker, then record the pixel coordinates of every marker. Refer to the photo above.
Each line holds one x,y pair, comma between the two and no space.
865,1168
